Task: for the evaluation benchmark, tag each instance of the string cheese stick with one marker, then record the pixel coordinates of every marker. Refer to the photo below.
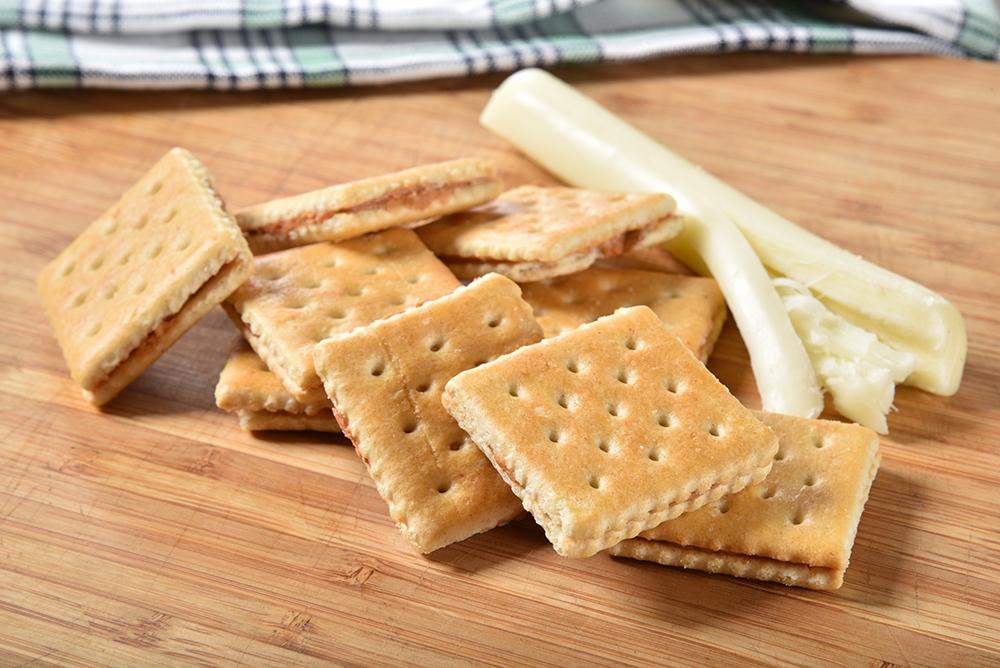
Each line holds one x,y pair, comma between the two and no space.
588,146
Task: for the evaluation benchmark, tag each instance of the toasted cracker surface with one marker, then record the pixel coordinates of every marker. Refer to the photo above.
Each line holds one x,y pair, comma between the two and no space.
350,210
298,297
536,224
247,384
142,274
806,512
385,381
610,429
691,308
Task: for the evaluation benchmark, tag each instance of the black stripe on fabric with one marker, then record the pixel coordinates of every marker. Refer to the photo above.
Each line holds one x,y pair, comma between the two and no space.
196,44
376,16
285,35
491,63
221,45
515,51
94,11
116,16
352,15
245,39
243,13
43,10
327,12
265,36
719,16
691,10
522,34
765,23
469,62
331,36
77,72
8,71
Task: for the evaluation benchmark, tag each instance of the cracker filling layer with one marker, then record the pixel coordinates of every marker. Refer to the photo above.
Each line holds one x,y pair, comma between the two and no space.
169,322
757,559
417,196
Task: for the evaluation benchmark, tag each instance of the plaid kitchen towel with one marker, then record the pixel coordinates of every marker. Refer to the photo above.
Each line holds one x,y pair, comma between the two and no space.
276,43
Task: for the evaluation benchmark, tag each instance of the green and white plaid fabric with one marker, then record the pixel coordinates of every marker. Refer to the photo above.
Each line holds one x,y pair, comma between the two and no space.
229,44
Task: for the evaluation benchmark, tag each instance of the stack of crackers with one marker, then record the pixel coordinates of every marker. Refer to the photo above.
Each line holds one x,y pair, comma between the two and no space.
580,396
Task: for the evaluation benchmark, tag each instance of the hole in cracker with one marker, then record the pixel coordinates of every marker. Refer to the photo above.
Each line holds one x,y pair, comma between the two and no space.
397,300
672,386
154,251
109,292
436,345
331,263
665,420
563,401
309,284
170,216
767,492
155,188
125,258
184,243
141,222
378,369
595,482
68,268
494,322
724,506
97,263
336,314
716,430
809,481
354,291
631,343
455,446
779,456
625,377
514,390
603,445
371,271
443,487
423,387
554,435
572,366
614,410
140,285
413,280
79,298
819,441
94,329
655,455
798,518
409,427
111,226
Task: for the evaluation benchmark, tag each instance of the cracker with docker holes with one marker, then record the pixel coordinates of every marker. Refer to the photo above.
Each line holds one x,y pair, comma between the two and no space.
142,274
692,308
300,296
531,233
350,210
609,430
385,381
796,527
250,390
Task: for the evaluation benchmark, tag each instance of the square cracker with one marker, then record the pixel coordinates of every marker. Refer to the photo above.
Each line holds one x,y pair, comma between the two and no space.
142,274
352,209
300,296
609,430
546,225
386,380
691,308
796,527
250,389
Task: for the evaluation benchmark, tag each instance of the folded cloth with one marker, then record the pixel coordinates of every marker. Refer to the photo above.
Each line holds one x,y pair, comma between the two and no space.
289,43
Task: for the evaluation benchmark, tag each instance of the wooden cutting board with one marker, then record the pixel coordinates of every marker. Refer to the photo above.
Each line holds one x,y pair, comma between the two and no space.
158,533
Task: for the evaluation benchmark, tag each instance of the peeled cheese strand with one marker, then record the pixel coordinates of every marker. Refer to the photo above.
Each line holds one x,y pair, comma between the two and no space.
589,147
858,370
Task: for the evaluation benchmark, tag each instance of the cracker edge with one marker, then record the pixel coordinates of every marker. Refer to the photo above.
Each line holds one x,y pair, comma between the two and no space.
252,420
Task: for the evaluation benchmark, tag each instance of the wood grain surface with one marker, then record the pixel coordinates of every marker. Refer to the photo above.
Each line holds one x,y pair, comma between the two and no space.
158,533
